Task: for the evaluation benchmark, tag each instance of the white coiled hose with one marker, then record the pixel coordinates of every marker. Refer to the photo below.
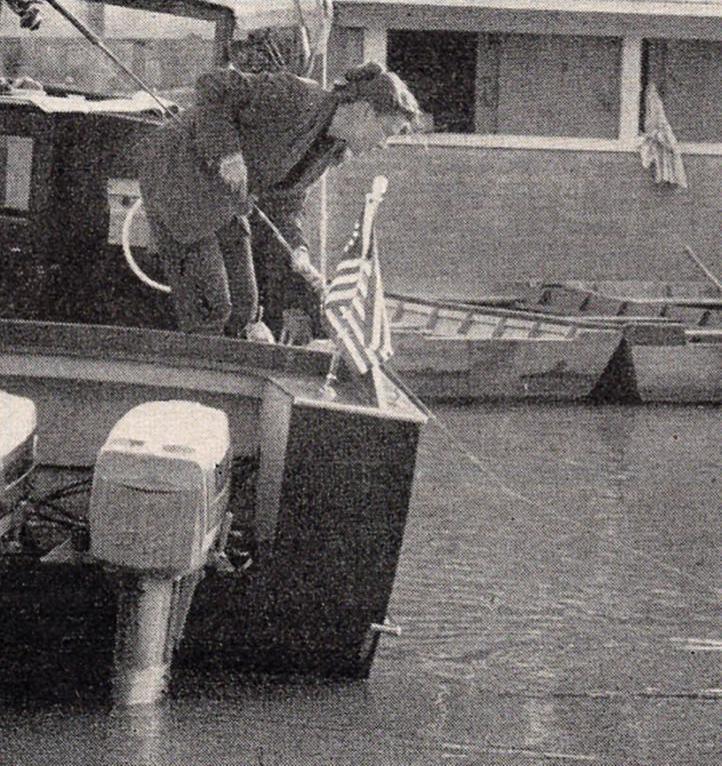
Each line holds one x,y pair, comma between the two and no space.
125,239
299,264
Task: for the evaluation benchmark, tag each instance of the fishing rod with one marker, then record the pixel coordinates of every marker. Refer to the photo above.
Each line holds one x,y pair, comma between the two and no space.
310,53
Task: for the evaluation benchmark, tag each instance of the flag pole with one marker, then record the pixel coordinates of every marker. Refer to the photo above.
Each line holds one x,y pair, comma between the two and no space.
327,389
323,188
377,376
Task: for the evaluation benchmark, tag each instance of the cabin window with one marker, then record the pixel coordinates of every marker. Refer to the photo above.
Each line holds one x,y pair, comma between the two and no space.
169,51
556,85
16,161
688,76
513,84
440,69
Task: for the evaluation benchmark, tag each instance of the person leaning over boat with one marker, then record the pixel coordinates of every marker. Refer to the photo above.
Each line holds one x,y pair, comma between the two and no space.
269,135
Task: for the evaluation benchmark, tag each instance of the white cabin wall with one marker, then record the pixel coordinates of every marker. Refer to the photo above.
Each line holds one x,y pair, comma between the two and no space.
466,211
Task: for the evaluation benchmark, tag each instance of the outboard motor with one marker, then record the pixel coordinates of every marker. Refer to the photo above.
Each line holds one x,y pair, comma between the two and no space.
18,425
157,511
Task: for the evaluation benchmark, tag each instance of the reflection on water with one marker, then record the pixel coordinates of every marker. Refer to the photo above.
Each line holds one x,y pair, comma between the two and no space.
559,605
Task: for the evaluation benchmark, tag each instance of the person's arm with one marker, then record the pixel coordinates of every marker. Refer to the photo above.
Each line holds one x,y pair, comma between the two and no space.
287,211
220,96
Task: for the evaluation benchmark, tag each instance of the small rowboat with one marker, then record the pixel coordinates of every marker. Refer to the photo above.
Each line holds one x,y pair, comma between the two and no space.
568,300
668,363
454,351
677,357
451,350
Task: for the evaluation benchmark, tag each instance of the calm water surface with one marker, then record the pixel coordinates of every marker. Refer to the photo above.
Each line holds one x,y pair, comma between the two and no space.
559,601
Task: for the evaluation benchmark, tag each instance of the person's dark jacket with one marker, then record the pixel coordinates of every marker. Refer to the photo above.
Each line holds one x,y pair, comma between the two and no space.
278,122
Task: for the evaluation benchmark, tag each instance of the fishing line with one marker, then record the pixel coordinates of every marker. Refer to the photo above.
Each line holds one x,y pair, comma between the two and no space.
430,748
461,446
483,466
480,463
474,460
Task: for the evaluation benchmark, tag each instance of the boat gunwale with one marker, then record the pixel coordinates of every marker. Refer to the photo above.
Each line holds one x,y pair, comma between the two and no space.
282,366
121,343
591,323
704,336
606,333
682,301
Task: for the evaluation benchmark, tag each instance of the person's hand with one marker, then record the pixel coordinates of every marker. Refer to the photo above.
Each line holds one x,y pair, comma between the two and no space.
258,331
233,172
301,264
297,328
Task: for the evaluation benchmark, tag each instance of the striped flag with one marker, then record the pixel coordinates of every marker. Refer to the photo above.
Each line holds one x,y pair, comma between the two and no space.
355,308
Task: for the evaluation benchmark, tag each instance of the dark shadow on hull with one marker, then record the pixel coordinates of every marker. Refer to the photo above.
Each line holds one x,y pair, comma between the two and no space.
618,383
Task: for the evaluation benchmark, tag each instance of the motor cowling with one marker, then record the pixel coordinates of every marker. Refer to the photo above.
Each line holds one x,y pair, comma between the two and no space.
18,426
160,488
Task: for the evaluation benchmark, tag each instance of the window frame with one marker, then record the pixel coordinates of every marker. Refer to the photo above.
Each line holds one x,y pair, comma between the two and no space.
628,139
23,122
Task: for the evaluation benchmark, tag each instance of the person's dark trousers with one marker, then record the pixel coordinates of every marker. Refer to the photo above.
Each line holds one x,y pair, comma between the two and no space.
279,287
203,275
235,243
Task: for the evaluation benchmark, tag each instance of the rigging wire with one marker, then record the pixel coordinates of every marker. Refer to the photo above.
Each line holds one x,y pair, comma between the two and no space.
95,40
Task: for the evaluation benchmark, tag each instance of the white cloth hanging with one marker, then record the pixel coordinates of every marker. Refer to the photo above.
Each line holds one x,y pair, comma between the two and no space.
659,146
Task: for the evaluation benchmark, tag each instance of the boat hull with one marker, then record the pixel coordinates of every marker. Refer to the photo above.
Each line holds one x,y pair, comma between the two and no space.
449,351
323,526
550,370
687,373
